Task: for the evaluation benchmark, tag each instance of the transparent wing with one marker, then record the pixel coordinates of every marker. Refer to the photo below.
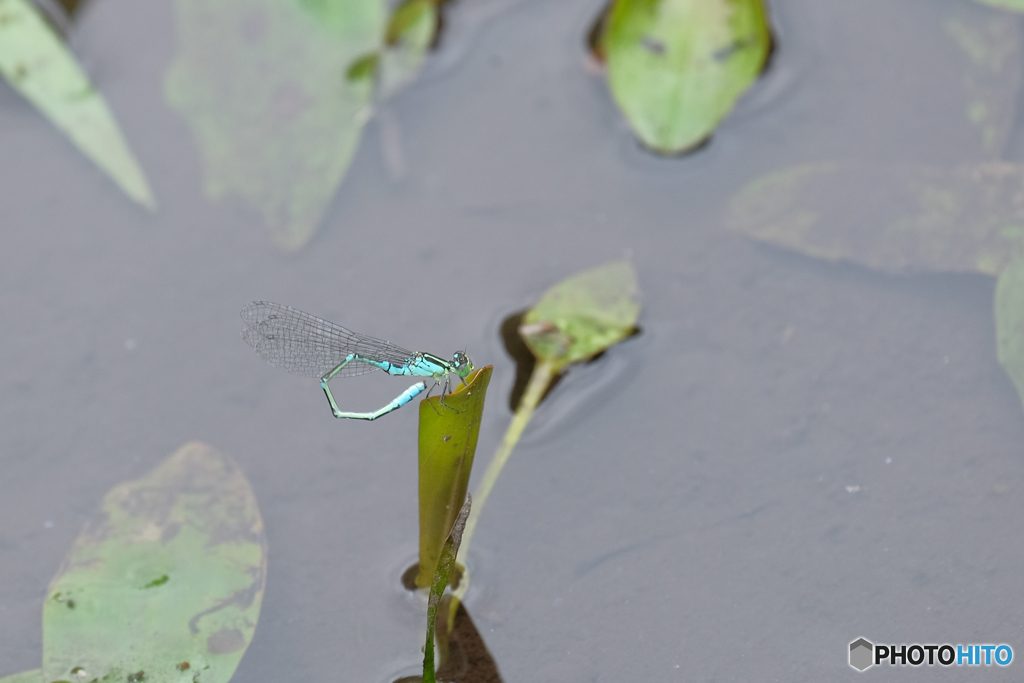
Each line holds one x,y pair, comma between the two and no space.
306,345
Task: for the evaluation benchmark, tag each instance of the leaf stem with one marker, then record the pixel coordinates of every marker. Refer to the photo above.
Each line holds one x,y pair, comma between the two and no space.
541,378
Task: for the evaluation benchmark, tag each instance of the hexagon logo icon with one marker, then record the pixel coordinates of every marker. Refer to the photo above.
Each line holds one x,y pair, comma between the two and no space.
861,652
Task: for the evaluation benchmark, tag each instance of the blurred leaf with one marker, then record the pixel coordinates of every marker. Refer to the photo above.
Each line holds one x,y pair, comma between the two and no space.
991,75
33,676
35,61
893,218
441,577
166,584
676,67
584,315
447,444
269,88
411,32
1009,309
1012,5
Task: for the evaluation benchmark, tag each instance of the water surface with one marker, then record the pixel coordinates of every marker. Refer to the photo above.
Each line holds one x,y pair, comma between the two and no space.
792,455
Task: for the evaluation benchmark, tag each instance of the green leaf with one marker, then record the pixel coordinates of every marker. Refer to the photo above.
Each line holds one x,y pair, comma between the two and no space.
447,444
676,67
893,218
267,86
35,61
33,676
1012,5
441,578
166,584
1009,309
583,315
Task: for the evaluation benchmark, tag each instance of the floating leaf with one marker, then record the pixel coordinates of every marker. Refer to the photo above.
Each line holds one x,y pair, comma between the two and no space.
35,61
447,444
991,74
1009,309
166,585
33,676
272,91
894,218
584,315
676,67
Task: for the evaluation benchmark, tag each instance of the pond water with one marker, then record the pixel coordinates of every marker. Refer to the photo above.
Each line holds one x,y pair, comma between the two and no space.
792,454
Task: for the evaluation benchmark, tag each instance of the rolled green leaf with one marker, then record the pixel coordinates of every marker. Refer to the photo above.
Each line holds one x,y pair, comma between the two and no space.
676,67
37,63
166,584
447,444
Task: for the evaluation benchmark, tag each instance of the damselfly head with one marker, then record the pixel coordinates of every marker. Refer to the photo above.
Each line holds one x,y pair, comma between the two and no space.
463,365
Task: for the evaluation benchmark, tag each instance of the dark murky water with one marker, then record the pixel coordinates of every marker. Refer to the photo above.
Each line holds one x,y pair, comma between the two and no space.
793,454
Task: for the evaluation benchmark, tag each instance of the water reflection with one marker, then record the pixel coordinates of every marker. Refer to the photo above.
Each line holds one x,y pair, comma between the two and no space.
466,658
464,654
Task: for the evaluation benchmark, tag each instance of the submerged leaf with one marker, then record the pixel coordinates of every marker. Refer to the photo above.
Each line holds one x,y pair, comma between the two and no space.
1012,5
904,218
583,315
166,584
1009,309
676,67
447,444
36,62
991,73
272,93
894,218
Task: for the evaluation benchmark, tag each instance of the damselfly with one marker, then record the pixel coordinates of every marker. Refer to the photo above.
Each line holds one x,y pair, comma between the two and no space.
306,345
